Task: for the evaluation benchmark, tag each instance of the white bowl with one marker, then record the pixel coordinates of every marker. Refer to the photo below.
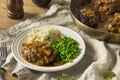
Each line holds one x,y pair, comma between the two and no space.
22,37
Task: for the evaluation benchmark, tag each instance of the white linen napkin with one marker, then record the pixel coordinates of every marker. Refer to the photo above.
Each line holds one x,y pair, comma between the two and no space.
99,56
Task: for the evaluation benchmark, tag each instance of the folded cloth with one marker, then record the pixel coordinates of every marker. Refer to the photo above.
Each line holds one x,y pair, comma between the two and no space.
99,57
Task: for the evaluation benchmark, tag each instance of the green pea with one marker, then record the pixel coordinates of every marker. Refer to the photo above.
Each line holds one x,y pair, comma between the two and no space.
67,49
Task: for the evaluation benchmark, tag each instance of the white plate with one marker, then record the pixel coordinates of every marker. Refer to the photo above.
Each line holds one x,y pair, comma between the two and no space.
22,37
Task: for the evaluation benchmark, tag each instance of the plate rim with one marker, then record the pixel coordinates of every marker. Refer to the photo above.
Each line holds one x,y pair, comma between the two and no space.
37,68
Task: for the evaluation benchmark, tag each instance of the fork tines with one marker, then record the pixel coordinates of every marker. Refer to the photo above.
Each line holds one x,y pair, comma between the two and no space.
2,44
3,51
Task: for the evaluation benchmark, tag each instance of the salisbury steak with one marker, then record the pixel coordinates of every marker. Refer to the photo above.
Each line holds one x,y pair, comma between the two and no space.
106,6
38,53
114,24
88,16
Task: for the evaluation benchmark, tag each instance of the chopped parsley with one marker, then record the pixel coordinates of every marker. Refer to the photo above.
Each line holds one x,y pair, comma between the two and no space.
65,76
109,75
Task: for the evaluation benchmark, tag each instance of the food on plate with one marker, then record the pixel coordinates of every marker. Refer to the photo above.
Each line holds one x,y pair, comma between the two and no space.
67,49
38,53
44,35
100,14
49,47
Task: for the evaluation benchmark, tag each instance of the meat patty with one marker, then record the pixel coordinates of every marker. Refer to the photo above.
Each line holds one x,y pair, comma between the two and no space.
106,6
38,53
114,24
88,17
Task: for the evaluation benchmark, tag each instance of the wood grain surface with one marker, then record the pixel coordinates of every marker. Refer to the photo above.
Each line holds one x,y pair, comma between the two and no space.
30,10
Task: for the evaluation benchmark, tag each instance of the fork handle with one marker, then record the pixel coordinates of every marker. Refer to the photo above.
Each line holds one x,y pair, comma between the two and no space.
1,77
1,74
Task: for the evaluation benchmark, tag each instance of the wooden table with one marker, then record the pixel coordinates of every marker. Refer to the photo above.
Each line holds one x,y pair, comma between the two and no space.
30,10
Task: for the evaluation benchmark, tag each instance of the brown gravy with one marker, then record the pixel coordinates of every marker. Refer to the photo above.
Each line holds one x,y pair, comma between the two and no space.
104,17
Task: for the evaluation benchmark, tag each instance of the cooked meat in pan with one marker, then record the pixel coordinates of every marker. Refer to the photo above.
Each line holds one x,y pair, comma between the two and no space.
103,15
89,17
106,6
114,24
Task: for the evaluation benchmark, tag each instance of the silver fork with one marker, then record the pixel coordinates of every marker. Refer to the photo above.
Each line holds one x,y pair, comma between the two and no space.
3,55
